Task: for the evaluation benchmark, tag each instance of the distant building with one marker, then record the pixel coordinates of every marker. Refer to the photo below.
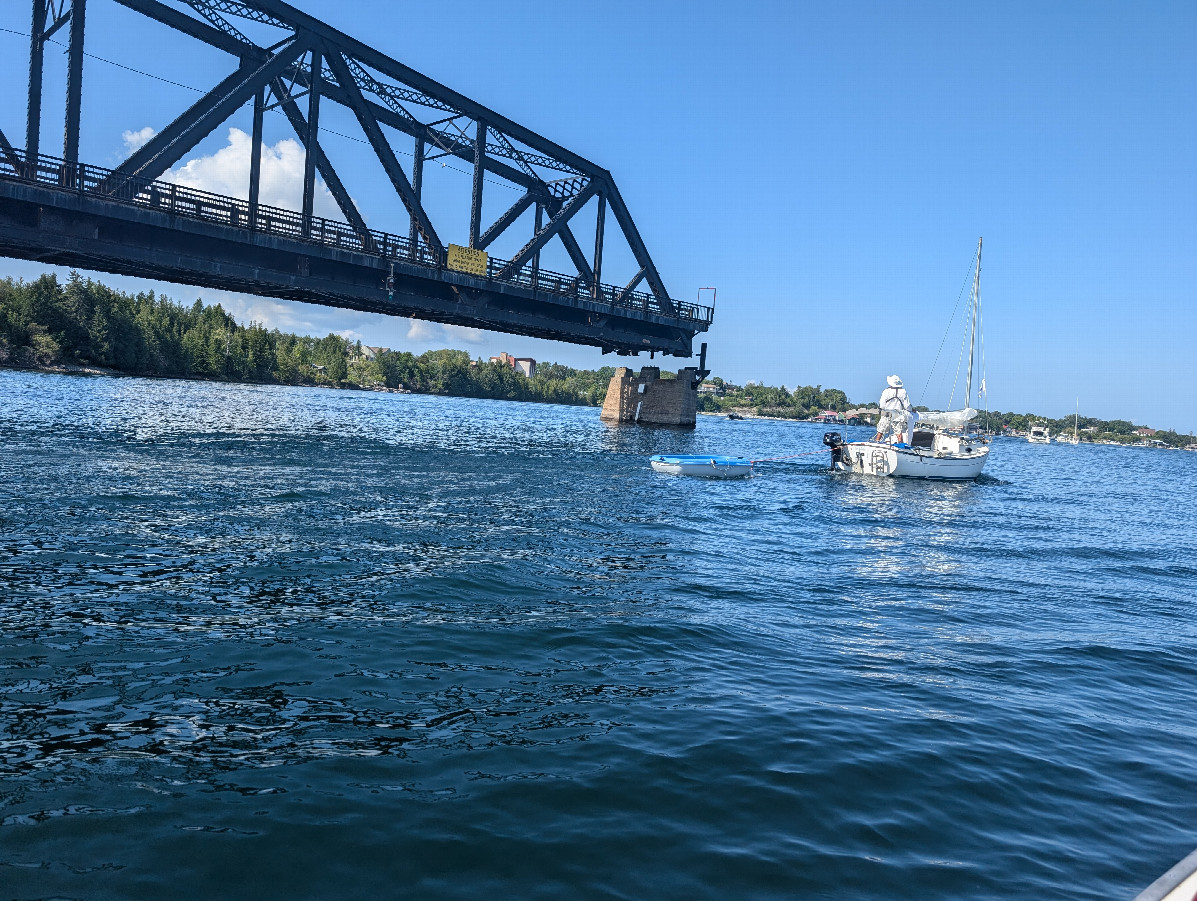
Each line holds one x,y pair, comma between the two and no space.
709,388
525,365
371,353
1144,433
860,416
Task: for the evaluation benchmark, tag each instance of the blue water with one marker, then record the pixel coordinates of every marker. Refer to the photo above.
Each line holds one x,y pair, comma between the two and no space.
296,643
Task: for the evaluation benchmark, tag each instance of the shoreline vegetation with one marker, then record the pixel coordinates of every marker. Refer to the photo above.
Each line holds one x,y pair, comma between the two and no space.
87,327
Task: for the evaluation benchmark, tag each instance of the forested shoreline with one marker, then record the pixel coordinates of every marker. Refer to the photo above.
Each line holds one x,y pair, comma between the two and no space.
45,324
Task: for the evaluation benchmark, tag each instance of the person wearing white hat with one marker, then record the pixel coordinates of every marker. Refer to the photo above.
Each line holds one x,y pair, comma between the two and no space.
897,415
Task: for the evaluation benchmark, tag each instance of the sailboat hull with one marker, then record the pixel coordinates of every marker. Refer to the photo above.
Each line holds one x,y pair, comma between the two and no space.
875,458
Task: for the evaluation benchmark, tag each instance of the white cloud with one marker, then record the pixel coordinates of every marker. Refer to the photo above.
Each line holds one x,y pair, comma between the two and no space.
464,333
267,312
419,330
135,140
227,172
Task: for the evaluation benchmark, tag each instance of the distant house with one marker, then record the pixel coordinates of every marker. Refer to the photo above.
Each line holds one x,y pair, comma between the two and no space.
371,353
709,388
828,416
1145,433
860,416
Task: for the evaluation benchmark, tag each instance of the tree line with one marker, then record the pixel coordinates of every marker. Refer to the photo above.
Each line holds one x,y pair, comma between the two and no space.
765,400
45,324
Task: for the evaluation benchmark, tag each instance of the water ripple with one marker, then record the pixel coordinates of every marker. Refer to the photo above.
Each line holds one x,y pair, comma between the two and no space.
303,643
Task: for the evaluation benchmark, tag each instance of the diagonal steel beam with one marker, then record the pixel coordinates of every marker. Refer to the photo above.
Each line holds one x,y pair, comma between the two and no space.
629,287
189,26
504,222
218,21
221,41
382,149
553,205
639,251
169,146
9,152
392,68
554,227
239,9
331,179
575,254
58,22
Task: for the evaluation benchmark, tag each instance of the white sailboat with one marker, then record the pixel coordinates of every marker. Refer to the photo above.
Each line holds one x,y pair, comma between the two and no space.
916,445
1076,421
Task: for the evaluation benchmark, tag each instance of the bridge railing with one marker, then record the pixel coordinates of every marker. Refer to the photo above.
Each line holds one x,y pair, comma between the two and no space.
192,203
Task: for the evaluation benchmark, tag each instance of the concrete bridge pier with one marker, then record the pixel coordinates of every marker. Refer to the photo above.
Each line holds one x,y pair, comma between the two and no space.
648,399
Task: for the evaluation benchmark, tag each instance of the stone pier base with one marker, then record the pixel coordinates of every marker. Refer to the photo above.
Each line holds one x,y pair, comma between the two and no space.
649,399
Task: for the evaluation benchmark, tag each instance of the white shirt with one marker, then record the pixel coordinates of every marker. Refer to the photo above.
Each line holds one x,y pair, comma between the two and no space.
895,399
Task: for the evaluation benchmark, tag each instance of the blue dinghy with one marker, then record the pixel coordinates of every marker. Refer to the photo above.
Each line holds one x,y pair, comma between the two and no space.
706,466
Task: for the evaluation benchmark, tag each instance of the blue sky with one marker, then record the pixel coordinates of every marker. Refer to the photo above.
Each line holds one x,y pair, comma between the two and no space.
828,167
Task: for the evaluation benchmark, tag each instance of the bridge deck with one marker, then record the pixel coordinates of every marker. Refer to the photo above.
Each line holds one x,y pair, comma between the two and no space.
69,214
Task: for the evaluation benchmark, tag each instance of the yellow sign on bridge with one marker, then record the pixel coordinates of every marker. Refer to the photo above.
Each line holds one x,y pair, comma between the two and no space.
468,260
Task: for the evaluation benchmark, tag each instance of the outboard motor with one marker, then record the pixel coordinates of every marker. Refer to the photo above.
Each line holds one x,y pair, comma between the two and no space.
835,441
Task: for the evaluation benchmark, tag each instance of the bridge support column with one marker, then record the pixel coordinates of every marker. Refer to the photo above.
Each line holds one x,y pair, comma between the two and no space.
479,169
309,159
33,112
70,140
648,399
537,226
255,157
417,187
598,247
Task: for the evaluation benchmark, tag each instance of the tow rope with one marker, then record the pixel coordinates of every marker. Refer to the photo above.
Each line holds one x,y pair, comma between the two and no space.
788,457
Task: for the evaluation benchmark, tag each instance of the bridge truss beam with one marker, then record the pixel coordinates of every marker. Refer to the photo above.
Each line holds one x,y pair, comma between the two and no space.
314,60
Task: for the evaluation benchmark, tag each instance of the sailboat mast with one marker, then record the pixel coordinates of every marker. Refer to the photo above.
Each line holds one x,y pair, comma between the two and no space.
972,341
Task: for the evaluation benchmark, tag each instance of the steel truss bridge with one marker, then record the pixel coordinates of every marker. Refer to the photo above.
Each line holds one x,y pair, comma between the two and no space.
129,220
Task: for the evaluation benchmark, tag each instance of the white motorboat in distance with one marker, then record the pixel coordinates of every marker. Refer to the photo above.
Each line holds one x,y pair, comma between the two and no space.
704,466
1039,435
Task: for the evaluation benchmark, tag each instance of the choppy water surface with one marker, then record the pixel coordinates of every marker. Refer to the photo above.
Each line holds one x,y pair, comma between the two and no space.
293,643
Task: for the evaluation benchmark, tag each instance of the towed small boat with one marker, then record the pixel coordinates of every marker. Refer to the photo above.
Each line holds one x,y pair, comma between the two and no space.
705,466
